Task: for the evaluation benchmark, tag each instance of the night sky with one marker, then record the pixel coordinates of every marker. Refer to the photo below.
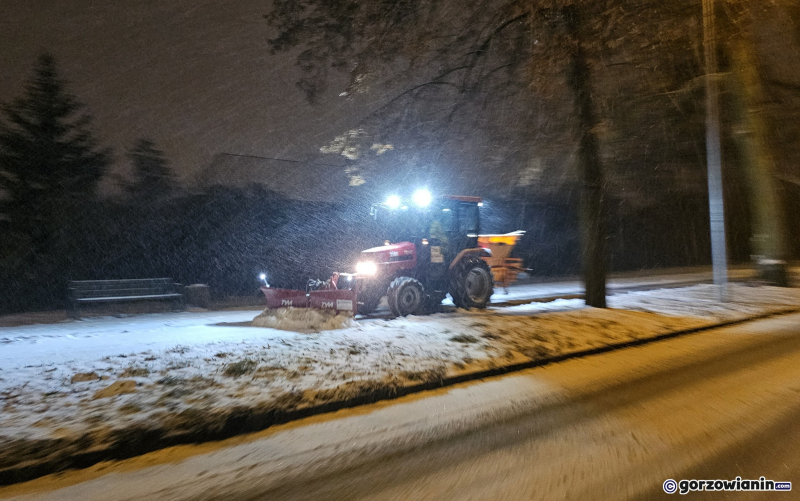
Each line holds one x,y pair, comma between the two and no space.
195,76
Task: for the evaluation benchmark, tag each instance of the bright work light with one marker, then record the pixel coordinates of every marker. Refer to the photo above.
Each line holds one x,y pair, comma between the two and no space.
393,201
422,198
366,268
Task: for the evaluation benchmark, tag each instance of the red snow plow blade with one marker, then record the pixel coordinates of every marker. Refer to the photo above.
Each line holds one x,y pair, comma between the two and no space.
339,300
343,301
282,298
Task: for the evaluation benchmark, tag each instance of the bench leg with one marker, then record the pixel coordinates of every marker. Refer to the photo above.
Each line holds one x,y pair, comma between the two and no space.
74,311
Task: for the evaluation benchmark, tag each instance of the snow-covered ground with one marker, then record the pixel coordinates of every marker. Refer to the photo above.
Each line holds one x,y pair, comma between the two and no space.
70,386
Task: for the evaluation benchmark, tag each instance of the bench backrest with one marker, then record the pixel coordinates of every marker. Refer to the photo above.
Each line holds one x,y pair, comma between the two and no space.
121,288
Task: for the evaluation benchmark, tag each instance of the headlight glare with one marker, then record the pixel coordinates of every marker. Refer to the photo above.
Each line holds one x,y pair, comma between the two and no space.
366,268
422,198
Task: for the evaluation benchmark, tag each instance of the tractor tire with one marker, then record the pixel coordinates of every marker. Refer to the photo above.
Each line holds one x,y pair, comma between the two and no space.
471,283
406,296
368,305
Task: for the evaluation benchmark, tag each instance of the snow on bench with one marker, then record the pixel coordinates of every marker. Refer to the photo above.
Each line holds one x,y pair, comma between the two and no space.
95,291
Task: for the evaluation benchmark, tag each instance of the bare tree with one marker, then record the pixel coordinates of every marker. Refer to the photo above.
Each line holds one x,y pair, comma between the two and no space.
446,56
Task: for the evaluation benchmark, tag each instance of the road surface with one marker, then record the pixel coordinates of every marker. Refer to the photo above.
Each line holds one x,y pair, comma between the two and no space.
613,426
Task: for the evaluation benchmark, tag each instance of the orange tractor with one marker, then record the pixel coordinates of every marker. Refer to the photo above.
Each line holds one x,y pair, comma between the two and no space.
432,248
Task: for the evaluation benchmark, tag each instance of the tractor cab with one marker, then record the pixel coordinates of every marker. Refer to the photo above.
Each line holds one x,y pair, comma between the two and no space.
450,222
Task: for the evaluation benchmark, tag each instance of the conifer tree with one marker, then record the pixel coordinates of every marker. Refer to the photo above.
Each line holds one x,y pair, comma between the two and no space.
152,178
50,162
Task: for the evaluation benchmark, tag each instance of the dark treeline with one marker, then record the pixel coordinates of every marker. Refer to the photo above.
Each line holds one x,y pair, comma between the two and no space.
671,234
225,237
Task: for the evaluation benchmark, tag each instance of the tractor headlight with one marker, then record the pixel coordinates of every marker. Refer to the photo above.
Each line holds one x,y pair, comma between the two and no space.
366,268
422,198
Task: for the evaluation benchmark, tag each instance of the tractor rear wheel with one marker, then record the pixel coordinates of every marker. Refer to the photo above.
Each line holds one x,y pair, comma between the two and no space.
406,296
471,283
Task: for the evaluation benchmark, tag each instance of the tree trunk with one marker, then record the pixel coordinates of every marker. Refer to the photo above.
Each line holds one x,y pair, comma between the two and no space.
592,214
767,241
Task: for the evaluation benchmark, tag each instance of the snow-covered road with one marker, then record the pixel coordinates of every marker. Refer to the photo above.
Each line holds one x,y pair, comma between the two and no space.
613,426
617,283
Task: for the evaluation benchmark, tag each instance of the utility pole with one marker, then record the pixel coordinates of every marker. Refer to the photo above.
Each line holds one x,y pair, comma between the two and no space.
716,205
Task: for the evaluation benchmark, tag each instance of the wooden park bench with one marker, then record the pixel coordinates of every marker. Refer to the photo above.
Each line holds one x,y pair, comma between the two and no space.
82,292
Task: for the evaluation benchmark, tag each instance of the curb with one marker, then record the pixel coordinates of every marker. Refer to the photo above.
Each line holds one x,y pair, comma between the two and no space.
140,441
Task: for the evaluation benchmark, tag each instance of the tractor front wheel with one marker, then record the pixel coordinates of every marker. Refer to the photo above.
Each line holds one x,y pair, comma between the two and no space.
368,304
471,283
405,296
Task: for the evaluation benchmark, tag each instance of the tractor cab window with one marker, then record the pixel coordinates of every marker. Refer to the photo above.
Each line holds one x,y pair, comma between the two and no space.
448,219
468,219
401,224
443,222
